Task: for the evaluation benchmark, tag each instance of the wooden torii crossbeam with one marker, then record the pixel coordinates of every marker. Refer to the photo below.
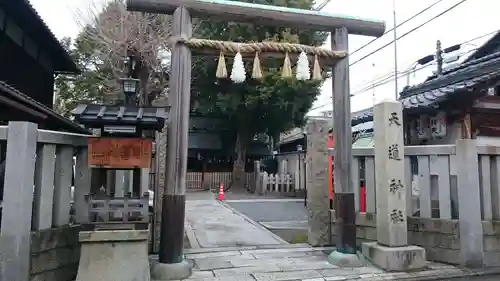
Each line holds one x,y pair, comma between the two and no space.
340,26
223,10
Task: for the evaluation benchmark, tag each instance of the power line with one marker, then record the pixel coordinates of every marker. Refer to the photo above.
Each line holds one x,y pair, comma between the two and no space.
390,74
322,5
374,80
390,79
374,85
405,21
412,30
479,37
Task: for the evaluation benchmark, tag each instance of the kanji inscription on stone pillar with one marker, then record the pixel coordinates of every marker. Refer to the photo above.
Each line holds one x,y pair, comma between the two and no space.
389,167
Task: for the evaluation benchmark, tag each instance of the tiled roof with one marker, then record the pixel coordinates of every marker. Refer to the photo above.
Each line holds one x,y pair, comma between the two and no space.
95,115
463,77
362,116
61,121
458,79
27,16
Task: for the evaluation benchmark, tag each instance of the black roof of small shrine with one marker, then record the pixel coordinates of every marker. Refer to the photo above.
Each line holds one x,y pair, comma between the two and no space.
96,116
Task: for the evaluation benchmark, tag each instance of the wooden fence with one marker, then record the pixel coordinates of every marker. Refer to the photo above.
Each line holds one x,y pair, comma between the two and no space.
275,183
264,184
211,180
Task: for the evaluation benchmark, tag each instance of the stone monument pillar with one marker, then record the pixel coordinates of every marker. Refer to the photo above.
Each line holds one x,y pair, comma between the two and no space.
391,251
317,183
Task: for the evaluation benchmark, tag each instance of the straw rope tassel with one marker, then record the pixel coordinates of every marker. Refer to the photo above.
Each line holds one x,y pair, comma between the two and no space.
257,71
287,68
316,70
221,67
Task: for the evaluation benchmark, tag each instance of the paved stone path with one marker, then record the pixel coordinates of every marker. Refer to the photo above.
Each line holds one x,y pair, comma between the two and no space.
210,223
295,262
229,246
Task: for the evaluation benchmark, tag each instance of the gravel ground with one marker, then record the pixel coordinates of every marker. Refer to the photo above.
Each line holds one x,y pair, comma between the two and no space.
271,210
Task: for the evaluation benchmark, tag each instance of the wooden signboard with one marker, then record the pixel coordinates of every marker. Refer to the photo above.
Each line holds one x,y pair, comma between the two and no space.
119,153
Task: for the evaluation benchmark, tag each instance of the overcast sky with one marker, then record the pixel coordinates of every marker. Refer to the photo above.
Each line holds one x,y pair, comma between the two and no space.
471,19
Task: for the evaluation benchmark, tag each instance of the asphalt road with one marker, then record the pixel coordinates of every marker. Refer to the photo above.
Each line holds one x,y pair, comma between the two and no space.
265,211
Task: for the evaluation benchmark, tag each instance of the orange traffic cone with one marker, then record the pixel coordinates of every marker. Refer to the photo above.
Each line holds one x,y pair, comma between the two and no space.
221,192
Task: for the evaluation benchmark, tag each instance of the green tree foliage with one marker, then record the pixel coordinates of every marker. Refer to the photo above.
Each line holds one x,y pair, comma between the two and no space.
90,86
271,105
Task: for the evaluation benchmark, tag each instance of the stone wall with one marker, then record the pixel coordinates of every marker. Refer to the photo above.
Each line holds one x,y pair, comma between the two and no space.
440,238
491,243
55,254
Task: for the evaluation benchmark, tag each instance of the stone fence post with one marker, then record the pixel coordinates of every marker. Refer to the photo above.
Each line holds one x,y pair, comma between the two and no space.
15,230
317,183
469,204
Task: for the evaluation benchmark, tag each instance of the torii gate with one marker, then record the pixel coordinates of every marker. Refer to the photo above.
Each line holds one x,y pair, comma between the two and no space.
339,26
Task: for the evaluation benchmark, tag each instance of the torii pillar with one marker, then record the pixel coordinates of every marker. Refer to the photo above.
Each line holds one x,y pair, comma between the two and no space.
171,264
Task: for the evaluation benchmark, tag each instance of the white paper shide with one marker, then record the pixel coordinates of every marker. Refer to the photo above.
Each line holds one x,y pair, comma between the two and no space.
303,72
238,74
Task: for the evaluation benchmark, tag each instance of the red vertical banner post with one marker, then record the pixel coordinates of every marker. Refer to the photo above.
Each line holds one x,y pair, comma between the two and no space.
330,171
362,198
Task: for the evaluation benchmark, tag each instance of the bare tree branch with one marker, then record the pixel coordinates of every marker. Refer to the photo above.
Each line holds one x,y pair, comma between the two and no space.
116,34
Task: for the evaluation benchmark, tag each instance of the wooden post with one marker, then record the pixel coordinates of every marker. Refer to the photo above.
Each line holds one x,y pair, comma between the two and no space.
173,209
346,225
296,178
256,178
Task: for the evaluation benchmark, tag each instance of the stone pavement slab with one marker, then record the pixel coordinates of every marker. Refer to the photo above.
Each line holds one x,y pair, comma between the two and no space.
214,224
292,263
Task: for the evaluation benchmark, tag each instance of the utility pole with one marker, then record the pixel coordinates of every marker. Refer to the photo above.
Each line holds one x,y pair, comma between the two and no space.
439,58
396,91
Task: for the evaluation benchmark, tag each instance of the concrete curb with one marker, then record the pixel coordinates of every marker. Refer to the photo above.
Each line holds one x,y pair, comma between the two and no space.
298,246
264,200
470,273
191,236
457,274
285,224
254,223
